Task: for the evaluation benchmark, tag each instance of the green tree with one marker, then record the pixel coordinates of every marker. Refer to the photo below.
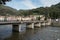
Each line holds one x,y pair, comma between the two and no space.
4,1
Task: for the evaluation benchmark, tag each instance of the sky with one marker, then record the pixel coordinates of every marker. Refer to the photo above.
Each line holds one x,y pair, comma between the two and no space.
31,4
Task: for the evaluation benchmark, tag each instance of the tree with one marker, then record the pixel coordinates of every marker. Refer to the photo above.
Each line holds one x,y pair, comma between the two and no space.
4,1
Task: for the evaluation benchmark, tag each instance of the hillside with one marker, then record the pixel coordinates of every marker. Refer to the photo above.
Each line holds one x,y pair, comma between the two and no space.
5,10
52,12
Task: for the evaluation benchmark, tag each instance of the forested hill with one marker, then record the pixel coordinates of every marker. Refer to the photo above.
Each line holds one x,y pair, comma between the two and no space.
52,12
5,10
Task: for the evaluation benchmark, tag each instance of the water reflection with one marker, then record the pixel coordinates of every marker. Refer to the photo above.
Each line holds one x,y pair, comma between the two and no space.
29,34
5,31
45,33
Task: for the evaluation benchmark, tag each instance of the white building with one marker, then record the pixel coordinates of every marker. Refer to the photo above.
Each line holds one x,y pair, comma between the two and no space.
2,18
27,18
19,18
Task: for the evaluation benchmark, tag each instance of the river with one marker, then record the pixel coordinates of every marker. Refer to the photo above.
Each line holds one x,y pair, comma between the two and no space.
44,33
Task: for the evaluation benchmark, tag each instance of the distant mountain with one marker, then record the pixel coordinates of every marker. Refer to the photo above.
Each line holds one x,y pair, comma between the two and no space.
5,10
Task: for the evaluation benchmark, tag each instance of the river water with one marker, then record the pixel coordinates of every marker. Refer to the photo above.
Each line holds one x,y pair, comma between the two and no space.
44,33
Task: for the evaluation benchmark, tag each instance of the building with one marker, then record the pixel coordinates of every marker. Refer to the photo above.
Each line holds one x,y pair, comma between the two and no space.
2,18
21,18
37,17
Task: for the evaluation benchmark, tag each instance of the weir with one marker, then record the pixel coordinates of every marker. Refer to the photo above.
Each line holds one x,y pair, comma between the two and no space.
30,25
37,24
15,27
18,26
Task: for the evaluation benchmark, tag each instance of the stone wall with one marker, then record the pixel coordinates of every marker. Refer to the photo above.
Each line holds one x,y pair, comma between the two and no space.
55,23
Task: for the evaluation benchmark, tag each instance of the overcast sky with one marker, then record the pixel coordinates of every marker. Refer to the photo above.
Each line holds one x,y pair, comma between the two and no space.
30,4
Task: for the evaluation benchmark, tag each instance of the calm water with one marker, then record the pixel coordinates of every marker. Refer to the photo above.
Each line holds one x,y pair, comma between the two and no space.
45,33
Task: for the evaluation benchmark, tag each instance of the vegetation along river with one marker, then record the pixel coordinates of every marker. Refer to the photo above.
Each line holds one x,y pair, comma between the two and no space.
44,33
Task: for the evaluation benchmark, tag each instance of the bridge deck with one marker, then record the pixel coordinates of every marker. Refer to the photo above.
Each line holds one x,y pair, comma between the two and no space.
16,22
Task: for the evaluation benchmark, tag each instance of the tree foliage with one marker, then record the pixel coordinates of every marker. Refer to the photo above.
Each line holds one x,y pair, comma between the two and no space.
4,1
50,12
4,10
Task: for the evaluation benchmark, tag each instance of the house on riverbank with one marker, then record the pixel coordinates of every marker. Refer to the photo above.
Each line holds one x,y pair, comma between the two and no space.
38,17
2,18
22,18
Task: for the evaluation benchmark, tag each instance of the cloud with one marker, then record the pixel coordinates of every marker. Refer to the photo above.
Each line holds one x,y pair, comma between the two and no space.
14,4
29,4
49,2
21,4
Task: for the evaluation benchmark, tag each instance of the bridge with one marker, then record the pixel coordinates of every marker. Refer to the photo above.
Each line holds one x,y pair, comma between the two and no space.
17,22
17,25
